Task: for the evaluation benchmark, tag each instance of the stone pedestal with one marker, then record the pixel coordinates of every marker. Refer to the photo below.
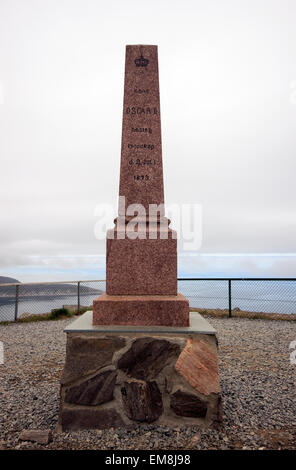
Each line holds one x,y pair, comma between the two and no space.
141,266
118,375
170,310
141,282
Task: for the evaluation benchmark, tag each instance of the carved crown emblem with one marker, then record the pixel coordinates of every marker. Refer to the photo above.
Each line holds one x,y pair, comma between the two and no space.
141,62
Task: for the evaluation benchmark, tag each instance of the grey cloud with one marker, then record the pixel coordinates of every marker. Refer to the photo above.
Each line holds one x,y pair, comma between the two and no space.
228,122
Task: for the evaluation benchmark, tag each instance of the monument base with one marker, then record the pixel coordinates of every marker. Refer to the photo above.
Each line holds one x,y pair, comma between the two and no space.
169,310
118,376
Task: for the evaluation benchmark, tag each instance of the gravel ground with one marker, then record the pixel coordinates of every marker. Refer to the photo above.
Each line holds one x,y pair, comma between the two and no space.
257,379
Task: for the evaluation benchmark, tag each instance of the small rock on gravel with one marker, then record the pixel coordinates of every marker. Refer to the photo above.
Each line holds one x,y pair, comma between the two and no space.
36,435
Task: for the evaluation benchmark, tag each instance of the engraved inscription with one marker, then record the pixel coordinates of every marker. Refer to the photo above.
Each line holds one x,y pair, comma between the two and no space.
143,161
141,146
141,62
139,110
147,130
141,114
140,91
141,177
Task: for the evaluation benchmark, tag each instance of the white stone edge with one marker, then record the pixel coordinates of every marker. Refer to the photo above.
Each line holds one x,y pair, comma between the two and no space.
205,327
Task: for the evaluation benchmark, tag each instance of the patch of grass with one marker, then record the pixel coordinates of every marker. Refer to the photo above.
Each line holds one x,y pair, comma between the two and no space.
33,318
59,312
56,314
236,313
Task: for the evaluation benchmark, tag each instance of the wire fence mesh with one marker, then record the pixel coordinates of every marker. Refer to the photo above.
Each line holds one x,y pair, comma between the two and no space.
252,298
264,296
41,298
205,294
238,297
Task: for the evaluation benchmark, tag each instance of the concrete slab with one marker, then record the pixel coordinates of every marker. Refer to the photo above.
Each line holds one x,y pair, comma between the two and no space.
198,324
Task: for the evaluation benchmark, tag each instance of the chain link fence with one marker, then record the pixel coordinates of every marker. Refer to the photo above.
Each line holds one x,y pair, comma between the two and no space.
242,297
237,297
18,300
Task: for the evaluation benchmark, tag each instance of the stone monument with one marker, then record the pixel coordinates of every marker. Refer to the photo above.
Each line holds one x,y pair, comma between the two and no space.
141,281
140,357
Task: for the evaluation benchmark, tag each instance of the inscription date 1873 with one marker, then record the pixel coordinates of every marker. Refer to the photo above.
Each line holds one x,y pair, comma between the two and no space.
141,177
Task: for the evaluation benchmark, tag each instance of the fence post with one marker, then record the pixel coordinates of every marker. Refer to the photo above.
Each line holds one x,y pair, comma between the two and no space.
78,296
16,302
229,298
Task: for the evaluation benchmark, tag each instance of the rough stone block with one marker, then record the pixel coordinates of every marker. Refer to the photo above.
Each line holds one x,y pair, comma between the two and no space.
142,401
198,364
168,378
187,404
94,391
87,353
147,357
42,436
77,418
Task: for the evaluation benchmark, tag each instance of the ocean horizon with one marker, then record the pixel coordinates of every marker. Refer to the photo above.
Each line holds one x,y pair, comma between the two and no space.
254,296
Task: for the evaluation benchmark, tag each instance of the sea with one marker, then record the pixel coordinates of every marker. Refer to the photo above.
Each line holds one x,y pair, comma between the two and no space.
255,296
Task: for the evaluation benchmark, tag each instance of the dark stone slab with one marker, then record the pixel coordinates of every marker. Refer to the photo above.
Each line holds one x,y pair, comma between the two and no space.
95,391
186,404
36,435
147,357
142,401
73,419
218,410
88,353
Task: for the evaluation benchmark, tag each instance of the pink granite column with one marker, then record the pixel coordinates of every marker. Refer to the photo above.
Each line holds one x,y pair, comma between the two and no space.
141,274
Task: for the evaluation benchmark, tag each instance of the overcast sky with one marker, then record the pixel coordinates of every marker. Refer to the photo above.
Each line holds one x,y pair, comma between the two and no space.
228,104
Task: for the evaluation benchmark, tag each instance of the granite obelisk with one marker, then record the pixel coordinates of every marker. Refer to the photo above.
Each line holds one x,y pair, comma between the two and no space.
141,173
141,264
